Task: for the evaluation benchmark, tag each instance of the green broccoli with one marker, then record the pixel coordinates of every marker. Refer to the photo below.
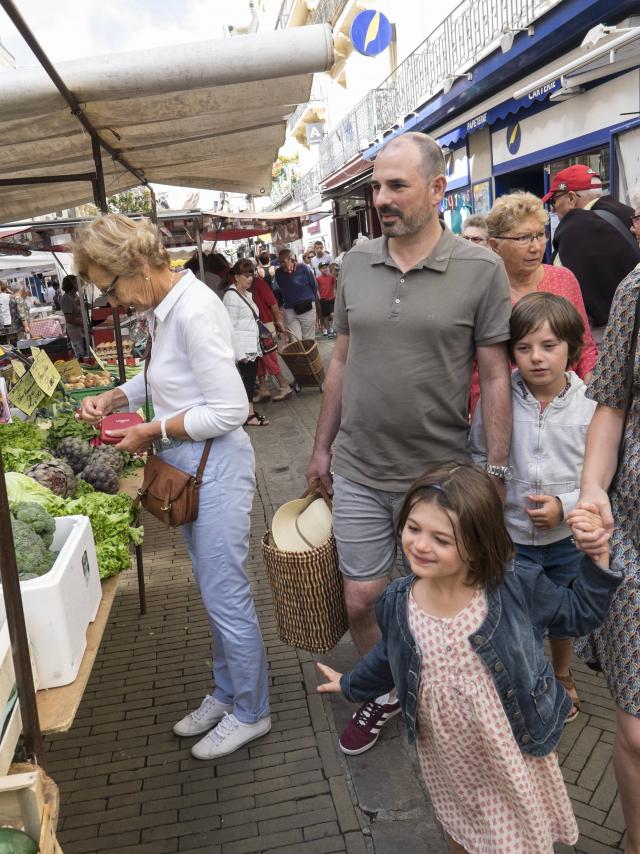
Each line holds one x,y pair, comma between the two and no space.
32,556
37,517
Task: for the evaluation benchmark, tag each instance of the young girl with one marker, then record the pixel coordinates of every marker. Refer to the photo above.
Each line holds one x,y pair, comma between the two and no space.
551,416
462,641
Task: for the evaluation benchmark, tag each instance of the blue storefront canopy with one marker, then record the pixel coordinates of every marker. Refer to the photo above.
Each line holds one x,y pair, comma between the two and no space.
500,111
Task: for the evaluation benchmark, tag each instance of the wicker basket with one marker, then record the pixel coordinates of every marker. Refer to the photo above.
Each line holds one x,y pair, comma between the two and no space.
305,363
308,596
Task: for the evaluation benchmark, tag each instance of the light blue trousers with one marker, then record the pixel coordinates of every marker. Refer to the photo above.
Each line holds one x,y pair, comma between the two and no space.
218,545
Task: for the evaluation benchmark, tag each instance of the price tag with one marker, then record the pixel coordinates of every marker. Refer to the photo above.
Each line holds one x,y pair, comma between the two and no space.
18,368
69,371
26,394
44,373
99,361
36,384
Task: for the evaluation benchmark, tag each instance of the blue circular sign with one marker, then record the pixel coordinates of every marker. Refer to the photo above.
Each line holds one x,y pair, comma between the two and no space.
370,32
514,138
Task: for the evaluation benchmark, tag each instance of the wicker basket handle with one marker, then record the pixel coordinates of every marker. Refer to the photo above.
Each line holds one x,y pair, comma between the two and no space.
317,487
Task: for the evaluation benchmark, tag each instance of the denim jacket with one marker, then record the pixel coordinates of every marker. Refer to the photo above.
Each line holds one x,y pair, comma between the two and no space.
509,642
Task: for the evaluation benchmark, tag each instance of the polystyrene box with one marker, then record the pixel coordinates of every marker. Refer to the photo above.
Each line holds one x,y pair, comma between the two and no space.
59,605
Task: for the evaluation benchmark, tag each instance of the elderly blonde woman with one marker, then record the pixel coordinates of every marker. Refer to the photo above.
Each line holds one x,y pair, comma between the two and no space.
518,233
197,394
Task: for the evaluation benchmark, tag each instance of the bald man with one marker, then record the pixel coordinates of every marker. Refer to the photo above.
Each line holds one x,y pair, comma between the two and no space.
414,308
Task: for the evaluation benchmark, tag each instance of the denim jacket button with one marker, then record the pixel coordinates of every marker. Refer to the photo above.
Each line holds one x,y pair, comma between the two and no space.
525,739
499,667
479,640
517,715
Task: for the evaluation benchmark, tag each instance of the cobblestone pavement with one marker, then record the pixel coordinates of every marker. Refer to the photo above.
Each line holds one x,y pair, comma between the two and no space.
129,785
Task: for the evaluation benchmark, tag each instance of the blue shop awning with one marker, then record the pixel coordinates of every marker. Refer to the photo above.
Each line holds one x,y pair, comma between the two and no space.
500,111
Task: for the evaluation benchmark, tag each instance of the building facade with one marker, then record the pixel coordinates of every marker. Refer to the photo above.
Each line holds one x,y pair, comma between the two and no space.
513,90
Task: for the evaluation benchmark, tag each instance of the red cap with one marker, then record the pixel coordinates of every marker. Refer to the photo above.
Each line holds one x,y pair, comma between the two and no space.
572,179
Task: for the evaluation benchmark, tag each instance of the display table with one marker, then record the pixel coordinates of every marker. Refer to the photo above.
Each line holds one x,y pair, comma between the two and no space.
57,707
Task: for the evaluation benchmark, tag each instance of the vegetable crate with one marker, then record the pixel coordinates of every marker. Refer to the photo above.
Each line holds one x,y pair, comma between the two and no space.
29,801
10,718
303,360
59,605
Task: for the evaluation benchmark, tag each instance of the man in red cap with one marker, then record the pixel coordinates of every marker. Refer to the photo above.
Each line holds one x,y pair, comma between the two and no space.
593,238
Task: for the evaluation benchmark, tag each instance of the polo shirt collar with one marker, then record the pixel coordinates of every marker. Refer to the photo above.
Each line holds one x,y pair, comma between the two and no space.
438,260
163,308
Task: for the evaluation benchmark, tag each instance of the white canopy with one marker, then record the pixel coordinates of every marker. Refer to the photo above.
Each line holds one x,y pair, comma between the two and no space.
208,115
38,262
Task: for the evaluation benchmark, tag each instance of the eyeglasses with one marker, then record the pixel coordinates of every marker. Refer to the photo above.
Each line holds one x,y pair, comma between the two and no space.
554,199
111,287
475,239
526,239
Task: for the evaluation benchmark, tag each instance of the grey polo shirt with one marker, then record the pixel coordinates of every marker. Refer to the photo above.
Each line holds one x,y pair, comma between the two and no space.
412,343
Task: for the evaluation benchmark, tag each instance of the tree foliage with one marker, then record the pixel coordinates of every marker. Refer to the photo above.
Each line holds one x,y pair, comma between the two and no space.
137,200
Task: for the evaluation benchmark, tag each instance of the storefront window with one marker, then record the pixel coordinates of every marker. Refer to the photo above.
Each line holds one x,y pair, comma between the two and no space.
598,160
627,152
456,207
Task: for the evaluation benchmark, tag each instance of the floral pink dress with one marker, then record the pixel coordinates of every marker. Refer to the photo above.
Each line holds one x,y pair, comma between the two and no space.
489,796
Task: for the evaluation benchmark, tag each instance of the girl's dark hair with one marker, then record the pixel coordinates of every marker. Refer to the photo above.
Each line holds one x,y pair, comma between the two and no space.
530,312
479,531
69,284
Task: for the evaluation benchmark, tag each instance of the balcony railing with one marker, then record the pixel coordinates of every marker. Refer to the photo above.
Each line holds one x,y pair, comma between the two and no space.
454,46
318,93
308,185
326,11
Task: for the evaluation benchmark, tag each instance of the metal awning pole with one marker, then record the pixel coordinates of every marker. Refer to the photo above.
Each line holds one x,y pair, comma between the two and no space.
101,202
33,742
199,245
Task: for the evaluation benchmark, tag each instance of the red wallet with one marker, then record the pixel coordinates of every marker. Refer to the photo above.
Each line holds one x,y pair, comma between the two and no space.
117,421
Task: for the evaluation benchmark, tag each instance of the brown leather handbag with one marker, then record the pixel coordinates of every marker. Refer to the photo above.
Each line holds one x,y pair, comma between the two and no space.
167,492
170,494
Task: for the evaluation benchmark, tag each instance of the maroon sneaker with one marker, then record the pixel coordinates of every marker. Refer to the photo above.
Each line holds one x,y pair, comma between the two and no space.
363,730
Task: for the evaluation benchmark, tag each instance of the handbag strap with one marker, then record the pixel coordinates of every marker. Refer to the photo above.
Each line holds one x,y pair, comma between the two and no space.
616,223
207,444
629,378
236,291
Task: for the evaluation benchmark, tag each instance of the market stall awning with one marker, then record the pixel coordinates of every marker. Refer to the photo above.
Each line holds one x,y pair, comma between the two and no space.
285,226
209,115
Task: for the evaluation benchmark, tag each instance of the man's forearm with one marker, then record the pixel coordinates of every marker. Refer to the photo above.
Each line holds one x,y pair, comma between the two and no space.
601,453
495,402
331,410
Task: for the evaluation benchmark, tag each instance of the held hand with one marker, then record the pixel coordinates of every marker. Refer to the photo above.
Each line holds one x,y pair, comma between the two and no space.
599,497
93,409
333,677
135,440
320,469
549,515
590,535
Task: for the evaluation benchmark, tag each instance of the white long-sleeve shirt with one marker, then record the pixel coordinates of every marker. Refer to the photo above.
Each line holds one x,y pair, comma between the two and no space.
244,316
192,367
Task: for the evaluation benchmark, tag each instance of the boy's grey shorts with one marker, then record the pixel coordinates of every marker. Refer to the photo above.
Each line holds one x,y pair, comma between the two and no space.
364,528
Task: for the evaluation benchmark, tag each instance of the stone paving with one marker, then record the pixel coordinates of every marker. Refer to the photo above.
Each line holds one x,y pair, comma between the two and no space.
128,784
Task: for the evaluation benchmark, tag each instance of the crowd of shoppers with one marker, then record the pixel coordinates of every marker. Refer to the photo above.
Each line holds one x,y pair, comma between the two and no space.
474,350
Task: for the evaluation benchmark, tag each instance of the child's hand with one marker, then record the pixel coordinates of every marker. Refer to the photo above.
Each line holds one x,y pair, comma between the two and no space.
589,532
333,676
549,514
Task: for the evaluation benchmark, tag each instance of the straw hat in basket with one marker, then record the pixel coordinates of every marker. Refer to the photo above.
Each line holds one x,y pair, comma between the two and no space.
301,525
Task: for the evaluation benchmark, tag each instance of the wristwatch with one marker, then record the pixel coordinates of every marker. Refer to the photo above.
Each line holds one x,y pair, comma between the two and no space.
163,431
505,473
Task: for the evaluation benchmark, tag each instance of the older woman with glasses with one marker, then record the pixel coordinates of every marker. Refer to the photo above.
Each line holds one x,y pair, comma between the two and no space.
518,233
197,394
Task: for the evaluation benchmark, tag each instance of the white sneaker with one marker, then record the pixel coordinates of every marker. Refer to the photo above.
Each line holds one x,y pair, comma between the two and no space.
229,735
204,718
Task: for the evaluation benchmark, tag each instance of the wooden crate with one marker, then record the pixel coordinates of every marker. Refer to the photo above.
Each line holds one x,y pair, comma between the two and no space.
9,705
29,800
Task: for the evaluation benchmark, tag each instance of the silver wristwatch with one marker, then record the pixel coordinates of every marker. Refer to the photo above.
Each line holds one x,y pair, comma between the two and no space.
505,473
163,431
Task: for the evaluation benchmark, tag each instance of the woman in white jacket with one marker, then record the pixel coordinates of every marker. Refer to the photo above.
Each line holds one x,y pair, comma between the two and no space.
244,319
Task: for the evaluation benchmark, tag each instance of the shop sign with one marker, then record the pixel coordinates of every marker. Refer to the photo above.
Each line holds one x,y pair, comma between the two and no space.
315,132
371,32
514,138
286,232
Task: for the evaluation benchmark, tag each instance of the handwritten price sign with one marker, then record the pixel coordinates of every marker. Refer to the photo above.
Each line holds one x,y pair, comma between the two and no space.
37,383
